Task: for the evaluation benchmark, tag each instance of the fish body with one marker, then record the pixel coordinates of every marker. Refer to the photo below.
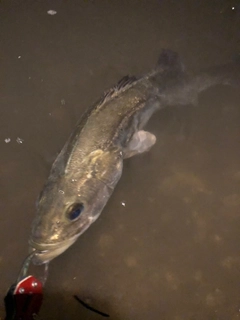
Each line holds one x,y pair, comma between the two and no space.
90,164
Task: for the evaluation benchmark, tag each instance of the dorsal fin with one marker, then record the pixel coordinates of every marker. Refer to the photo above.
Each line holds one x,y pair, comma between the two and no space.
125,81
122,84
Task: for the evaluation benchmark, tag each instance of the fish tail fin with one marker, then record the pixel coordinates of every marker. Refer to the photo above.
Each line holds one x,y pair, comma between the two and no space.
228,74
168,77
169,59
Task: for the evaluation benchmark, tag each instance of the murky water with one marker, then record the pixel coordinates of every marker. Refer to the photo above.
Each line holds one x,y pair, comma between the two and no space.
172,251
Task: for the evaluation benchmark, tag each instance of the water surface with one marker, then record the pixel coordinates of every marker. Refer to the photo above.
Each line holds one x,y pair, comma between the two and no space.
172,251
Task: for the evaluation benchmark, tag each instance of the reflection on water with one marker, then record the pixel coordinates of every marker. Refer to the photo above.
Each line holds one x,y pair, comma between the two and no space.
171,251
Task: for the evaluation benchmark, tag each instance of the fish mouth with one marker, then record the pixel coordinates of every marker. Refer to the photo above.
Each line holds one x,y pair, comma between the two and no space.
45,252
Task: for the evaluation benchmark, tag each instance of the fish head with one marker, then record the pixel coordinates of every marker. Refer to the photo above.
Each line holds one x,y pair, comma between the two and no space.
70,203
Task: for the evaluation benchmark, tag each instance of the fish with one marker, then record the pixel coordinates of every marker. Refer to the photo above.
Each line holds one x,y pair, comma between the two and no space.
88,168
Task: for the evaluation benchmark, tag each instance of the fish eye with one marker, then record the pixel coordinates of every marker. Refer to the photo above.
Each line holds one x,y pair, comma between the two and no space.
74,211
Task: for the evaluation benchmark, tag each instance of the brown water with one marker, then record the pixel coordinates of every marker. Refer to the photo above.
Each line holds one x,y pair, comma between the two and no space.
172,252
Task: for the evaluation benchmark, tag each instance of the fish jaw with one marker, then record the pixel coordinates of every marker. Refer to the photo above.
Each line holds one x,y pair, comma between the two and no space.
47,252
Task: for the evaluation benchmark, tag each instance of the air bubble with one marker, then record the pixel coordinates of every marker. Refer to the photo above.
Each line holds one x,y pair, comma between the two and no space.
51,12
19,140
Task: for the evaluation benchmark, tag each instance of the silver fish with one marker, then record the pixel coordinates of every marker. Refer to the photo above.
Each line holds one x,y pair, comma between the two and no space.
90,164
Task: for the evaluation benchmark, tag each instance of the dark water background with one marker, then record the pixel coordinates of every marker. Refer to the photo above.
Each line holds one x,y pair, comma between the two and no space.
172,252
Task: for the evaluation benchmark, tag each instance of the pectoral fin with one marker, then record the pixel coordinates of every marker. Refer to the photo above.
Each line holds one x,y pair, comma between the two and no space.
141,142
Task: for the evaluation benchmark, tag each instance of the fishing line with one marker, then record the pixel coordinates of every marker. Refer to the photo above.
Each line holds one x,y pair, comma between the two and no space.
89,307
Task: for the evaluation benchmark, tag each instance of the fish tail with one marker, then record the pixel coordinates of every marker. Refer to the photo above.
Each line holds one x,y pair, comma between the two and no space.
228,74
169,59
